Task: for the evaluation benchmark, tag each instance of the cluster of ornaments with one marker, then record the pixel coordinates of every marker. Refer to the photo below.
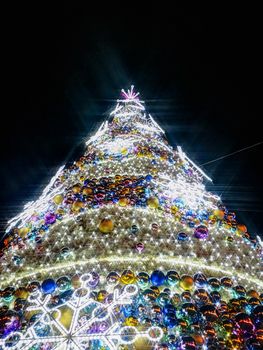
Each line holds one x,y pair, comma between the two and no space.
123,191
129,196
189,312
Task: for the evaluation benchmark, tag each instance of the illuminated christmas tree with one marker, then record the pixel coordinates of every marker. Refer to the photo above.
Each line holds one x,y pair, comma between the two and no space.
125,249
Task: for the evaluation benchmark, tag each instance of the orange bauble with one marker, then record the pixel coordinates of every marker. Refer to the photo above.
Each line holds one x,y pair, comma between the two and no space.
219,214
198,339
242,228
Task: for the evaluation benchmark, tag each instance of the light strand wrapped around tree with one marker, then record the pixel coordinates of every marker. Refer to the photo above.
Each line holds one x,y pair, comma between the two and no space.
125,249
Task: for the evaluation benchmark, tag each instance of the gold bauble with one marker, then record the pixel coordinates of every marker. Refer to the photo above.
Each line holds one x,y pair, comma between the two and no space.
153,202
23,231
186,282
87,191
76,188
58,199
131,321
174,209
21,293
77,205
128,277
219,214
106,226
123,202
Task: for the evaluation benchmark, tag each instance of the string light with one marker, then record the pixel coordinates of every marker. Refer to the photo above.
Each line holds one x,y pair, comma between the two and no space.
115,239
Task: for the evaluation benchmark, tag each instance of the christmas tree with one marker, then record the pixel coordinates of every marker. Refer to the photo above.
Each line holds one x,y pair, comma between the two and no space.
125,249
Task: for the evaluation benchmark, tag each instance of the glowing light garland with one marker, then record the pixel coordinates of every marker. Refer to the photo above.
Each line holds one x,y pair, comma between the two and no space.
92,259
184,156
39,204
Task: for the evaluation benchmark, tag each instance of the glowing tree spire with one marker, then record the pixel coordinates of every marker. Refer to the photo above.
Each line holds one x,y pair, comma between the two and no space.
125,249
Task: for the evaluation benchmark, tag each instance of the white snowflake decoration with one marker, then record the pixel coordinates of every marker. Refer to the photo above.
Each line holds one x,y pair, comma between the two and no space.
101,323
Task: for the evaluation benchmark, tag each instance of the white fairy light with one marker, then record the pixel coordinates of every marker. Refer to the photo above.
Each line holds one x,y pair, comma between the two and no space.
102,129
183,156
39,204
129,144
156,125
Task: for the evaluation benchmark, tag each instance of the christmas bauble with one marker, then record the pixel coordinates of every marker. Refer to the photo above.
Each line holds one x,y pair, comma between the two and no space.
201,232
182,237
48,286
143,279
128,277
244,322
106,226
113,278
63,283
50,218
186,282
153,202
58,199
157,278
172,278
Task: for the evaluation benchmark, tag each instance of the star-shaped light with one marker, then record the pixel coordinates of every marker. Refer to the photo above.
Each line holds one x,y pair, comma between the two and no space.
130,94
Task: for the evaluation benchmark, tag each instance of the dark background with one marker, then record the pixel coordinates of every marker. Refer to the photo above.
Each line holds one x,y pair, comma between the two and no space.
198,70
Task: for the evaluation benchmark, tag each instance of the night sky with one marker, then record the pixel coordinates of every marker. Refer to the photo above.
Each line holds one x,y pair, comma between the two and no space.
196,69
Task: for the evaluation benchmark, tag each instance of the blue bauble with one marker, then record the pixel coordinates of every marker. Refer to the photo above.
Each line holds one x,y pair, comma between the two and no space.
148,178
200,280
182,237
172,278
48,286
187,343
215,296
134,229
157,278
94,280
115,199
179,202
257,314
169,309
170,320
163,299
127,310
189,213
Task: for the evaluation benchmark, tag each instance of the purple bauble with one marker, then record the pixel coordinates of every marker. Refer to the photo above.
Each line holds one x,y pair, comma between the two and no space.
93,282
201,232
50,218
9,323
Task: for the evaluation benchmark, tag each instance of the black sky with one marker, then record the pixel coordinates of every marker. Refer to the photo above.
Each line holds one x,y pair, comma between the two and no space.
197,69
